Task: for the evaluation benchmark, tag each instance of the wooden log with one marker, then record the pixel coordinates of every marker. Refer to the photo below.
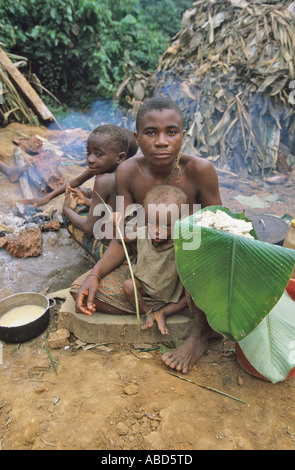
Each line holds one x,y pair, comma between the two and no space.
25,88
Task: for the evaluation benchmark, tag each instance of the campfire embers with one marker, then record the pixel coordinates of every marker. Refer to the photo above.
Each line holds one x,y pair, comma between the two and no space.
32,145
44,171
46,157
21,233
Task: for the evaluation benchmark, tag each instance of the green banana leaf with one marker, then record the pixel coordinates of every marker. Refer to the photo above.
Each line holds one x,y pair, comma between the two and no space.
235,280
270,347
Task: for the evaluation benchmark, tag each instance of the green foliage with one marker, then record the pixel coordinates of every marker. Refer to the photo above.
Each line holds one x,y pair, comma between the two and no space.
79,48
165,14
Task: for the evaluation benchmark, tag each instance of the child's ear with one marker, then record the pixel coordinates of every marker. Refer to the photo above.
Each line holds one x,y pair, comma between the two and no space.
135,134
121,157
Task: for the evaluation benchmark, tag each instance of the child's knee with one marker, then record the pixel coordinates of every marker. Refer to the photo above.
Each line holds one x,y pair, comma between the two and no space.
128,287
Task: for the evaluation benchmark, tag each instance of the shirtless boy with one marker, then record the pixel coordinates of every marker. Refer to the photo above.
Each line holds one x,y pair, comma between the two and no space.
84,195
159,133
107,147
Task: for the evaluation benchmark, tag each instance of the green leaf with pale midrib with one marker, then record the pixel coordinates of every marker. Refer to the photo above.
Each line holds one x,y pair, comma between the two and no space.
235,280
267,347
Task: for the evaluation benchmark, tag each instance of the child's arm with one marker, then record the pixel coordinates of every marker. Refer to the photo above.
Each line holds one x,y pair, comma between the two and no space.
77,181
172,309
86,294
111,259
104,187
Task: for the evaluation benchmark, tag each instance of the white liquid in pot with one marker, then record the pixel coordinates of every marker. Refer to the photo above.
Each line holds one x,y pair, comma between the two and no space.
21,315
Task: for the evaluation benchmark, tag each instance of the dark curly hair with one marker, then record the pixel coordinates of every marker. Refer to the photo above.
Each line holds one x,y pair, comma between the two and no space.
157,103
165,194
124,138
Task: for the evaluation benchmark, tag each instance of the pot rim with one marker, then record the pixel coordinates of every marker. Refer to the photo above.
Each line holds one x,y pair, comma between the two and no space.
50,303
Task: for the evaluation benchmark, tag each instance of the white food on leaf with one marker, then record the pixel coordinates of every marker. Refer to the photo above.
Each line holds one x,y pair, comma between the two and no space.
222,221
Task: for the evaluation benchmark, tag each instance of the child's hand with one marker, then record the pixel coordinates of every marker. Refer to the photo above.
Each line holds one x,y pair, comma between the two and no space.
85,296
88,194
79,195
37,201
70,198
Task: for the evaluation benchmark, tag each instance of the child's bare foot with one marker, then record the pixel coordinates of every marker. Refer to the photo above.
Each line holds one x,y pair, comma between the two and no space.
159,318
186,355
14,173
149,320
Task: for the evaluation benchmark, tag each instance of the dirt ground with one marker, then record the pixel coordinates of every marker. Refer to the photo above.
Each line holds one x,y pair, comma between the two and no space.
119,397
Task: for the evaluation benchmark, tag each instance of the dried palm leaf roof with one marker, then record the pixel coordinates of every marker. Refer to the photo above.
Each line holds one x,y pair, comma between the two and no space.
226,34
230,69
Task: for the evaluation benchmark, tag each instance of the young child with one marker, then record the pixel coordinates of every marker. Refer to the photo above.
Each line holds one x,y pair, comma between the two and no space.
155,270
107,146
81,195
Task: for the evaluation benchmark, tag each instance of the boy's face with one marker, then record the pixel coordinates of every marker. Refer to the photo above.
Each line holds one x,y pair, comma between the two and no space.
160,219
160,136
102,154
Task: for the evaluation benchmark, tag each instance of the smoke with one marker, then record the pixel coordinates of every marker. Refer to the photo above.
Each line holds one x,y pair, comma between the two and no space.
102,111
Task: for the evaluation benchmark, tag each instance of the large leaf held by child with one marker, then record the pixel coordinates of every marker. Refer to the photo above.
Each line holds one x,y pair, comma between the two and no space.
235,280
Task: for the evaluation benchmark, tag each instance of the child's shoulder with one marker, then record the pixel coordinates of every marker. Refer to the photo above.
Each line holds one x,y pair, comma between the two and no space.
104,179
132,162
193,162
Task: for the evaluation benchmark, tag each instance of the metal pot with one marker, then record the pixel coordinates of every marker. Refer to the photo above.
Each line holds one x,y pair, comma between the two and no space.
270,228
28,331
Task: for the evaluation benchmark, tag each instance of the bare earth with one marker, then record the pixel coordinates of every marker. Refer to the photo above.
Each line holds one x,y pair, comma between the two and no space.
117,397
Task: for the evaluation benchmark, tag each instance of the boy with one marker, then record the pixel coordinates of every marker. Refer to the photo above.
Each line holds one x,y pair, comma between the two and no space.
83,195
107,146
159,134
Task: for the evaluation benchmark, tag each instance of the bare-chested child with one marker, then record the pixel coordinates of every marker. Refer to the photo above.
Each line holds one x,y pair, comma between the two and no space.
84,195
159,133
107,147
155,248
